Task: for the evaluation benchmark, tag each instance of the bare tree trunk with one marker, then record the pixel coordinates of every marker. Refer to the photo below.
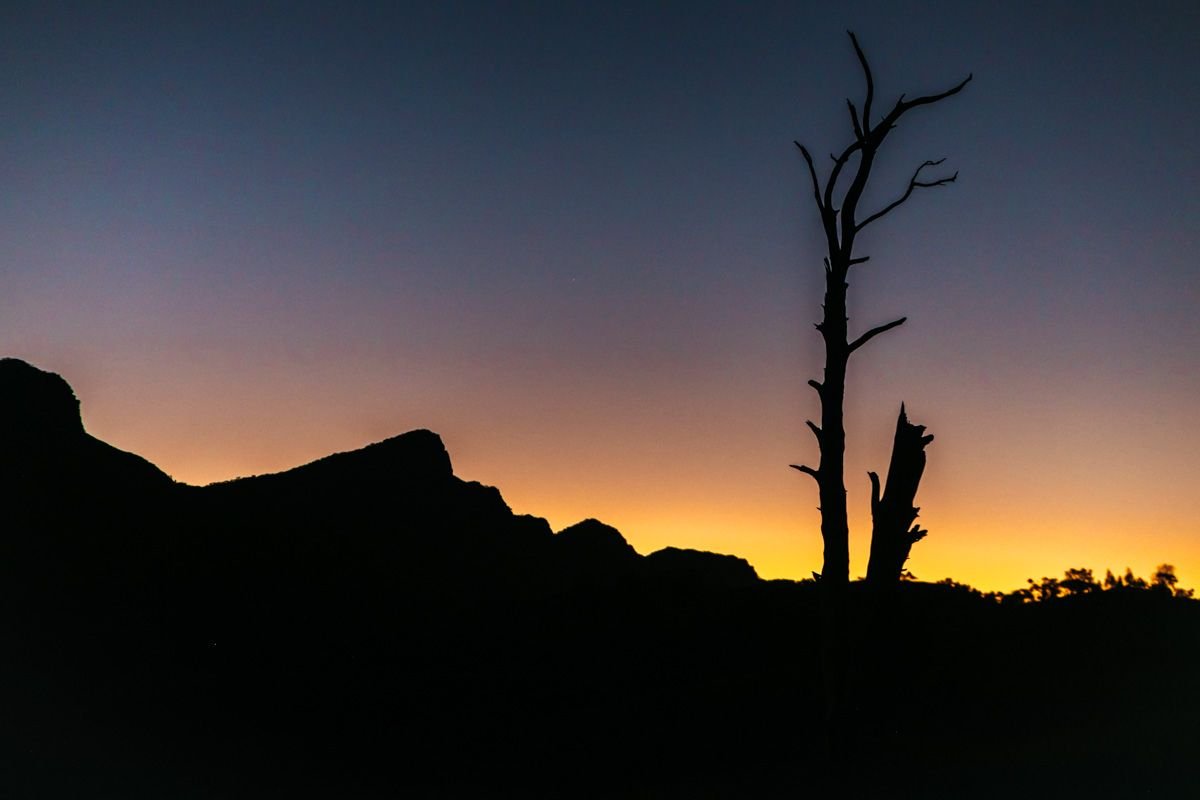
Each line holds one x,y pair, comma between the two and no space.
835,528
841,222
893,531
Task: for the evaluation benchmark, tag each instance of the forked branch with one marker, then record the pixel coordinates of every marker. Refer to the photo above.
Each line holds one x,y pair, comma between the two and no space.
838,163
825,207
903,105
867,140
913,183
858,131
862,59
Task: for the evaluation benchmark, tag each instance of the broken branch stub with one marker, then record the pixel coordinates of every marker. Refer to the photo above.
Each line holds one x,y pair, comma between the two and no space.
893,514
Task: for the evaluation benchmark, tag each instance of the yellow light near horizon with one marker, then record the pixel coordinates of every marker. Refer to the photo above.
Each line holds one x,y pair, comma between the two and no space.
703,479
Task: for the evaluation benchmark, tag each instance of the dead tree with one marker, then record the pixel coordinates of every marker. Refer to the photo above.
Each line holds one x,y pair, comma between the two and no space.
893,513
842,221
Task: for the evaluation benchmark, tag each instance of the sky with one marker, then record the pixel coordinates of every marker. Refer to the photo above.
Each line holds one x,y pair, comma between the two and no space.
577,241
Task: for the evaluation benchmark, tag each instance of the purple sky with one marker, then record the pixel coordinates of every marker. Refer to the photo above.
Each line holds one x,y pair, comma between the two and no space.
579,244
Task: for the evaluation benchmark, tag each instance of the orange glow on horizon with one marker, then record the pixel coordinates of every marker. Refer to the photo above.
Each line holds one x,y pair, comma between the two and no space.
1018,485
768,517
606,310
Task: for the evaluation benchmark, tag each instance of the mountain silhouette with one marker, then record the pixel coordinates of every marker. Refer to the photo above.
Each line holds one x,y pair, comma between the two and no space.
44,443
372,625
36,403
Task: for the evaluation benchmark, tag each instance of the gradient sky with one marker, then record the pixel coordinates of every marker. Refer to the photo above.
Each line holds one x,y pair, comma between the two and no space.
579,243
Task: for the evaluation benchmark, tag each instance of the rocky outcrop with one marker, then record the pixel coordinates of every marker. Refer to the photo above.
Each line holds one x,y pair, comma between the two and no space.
592,540
414,457
394,505
46,456
699,567
36,404
591,552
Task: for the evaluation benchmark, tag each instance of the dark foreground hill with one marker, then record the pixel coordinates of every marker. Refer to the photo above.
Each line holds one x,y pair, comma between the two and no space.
370,625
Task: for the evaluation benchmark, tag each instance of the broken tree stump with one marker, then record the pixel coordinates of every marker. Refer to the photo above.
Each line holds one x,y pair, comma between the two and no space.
893,530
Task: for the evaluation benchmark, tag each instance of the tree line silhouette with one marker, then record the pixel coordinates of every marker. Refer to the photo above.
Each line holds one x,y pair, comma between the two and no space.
1078,581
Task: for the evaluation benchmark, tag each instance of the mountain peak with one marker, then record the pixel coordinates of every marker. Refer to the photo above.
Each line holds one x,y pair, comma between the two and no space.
36,402
414,457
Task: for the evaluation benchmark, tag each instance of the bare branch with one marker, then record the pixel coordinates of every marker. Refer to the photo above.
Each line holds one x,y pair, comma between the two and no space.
816,385
903,105
858,131
828,215
869,144
812,172
859,260
814,428
871,334
866,148
862,59
874,492
806,471
838,164
913,183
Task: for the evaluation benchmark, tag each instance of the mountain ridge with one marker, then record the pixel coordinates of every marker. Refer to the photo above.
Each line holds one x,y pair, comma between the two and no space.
42,416
369,624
